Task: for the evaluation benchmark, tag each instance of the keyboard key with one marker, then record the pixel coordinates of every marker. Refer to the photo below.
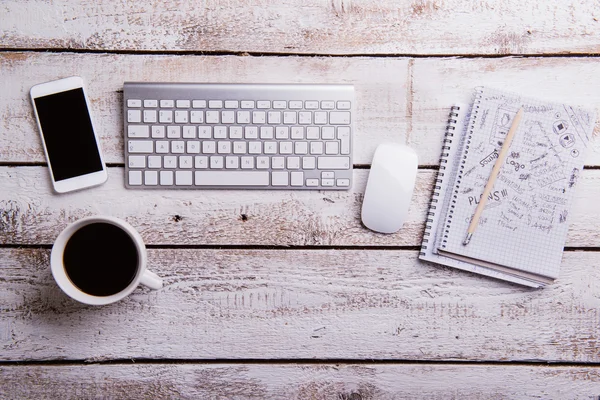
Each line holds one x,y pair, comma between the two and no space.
332,148
158,132
183,178
333,162
135,177
183,104
316,147
232,178
173,132
162,146
263,162
170,161
232,162
137,161
320,117
327,105
300,147
133,103
274,117
199,103
197,117
212,117
343,105
342,182
263,104
201,162
270,147
167,104
140,146
339,117
154,162
297,178
231,104
278,162
327,182
227,117
243,117
204,132
343,134
297,132
293,163
328,133
185,162
251,132
239,147
327,175
181,117
137,131
247,104
224,147
311,105
254,147
215,104
312,182
312,132
266,132
165,116
150,103
279,178
282,132
308,163
151,178
285,147
189,132
134,116
295,104
289,117
149,116
166,178
235,132
209,147
305,117
220,132
279,104
259,117
216,162
247,162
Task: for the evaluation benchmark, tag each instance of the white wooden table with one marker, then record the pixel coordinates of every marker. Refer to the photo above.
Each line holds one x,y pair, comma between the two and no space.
284,294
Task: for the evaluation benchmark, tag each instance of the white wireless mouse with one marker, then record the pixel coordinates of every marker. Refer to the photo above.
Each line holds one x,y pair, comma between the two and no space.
389,188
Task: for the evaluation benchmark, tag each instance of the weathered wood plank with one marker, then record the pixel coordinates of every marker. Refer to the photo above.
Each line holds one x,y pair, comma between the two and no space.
31,214
270,304
314,26
380,91
398,99
299,381
438,83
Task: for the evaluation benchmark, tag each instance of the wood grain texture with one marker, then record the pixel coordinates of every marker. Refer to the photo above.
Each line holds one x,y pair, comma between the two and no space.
322,304
30,213
402,100
300,381
313,26
380,86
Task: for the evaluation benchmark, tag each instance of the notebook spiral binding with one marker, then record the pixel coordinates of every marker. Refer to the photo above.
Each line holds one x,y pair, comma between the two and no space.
448,138
474,115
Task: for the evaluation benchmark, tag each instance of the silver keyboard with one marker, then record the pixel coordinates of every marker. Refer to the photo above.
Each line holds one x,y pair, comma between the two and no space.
249,136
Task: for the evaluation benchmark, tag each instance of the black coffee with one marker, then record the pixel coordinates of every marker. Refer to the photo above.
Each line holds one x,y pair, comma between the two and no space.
101,259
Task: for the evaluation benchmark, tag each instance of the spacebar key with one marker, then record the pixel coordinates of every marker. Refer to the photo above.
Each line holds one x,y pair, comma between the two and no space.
232,178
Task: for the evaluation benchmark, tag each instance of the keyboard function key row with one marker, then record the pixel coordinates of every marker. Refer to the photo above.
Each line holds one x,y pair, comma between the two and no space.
262,104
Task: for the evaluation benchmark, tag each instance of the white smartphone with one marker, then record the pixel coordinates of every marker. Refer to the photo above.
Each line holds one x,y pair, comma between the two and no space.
63,116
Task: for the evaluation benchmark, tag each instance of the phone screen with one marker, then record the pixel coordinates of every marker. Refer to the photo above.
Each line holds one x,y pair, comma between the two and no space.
68,134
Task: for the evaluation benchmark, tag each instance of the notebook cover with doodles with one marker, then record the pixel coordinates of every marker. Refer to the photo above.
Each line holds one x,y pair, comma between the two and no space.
521,234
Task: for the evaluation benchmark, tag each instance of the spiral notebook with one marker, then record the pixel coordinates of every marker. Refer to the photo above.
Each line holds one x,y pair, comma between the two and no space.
522,232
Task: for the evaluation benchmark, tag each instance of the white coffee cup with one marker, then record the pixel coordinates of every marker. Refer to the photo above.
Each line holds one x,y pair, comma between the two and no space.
142,275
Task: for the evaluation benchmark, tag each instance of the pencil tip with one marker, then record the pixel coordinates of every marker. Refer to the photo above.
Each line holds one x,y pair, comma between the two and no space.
467,239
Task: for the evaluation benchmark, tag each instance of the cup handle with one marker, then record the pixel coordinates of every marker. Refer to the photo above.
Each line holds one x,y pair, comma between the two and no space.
151,280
